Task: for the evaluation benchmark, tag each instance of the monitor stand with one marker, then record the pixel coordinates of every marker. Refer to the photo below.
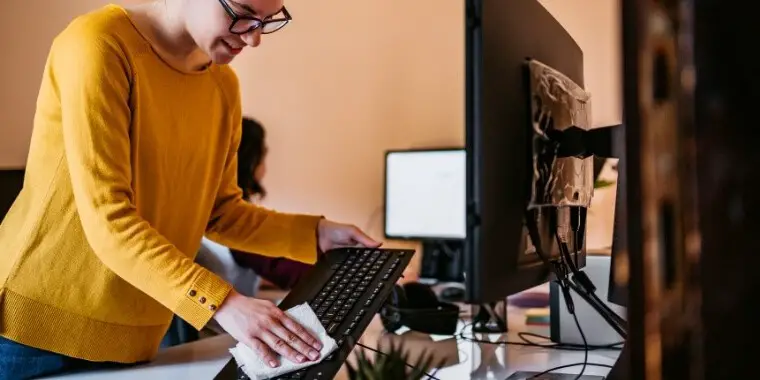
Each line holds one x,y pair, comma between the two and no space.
442,260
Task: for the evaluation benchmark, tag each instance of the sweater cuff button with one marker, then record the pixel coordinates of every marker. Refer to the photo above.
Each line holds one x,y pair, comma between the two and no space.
202,300
191,293
212,307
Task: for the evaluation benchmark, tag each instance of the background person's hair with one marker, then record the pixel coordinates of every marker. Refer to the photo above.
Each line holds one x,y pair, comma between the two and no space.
250,153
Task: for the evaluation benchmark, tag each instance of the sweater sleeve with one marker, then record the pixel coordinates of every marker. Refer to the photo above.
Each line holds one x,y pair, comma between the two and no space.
243,226
92,77
282,272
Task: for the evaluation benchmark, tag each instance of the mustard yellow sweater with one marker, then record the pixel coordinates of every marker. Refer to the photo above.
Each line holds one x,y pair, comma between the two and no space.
131,163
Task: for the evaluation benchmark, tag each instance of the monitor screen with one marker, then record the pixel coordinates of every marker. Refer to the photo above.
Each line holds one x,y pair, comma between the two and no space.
425,194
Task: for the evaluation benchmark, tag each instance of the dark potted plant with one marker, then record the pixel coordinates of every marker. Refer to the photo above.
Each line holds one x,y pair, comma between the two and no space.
393,364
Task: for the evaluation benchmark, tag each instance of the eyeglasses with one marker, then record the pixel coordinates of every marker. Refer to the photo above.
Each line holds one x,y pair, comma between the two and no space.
243,24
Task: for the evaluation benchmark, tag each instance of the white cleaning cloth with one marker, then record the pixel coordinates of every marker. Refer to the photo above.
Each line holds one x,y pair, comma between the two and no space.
257,369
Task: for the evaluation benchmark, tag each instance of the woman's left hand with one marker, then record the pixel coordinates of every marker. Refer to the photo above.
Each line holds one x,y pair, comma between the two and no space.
333,235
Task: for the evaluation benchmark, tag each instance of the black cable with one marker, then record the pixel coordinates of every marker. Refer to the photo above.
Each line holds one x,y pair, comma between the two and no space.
585,343
429,376
535,238
556,346
575,227
583,285
581,279
565,346
547,345
599,309
622,322
580,283
557,368
576,235
563,283
561,277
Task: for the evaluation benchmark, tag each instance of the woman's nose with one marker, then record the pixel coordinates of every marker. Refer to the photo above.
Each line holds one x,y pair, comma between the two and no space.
253,38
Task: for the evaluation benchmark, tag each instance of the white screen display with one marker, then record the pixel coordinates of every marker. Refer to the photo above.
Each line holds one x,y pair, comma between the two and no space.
425,194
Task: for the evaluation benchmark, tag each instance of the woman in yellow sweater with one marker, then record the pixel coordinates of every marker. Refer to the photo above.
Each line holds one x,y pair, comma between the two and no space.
132,161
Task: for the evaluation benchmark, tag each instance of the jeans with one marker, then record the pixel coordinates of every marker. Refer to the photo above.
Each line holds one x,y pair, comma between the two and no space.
19,362
180,332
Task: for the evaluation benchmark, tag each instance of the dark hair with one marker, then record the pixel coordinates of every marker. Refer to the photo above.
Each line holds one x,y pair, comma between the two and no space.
250,153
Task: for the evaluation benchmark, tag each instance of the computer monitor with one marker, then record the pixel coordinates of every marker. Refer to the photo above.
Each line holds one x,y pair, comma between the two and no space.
425,194
500,38
425,201
617,292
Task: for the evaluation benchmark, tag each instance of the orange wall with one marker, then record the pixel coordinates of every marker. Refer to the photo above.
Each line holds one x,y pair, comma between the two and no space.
595,26
341,84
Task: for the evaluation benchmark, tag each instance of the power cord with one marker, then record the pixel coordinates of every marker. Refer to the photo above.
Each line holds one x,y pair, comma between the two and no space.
580,283
529,343
571,309
585,343
564,283
560,272
429,376
557,346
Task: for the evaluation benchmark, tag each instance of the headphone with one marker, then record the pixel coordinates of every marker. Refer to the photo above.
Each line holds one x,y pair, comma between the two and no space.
416,306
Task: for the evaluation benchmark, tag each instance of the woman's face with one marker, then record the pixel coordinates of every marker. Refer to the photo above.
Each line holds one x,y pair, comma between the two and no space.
208,22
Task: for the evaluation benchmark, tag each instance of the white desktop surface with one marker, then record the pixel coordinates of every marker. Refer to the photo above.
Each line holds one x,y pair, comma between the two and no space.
204,359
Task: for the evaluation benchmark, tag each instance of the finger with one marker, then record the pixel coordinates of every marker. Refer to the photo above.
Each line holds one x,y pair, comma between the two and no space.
282,347
295,342
303,334
266,353
360,237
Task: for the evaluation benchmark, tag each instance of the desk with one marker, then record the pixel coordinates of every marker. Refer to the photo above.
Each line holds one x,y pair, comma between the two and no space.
204,359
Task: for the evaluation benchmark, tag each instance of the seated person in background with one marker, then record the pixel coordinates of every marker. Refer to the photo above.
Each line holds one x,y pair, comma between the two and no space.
244,270
247,272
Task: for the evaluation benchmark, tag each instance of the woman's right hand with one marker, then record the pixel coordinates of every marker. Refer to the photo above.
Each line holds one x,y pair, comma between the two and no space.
266,329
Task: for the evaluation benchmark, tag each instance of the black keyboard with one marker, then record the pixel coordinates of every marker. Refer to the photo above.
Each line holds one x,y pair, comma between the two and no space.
345,289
